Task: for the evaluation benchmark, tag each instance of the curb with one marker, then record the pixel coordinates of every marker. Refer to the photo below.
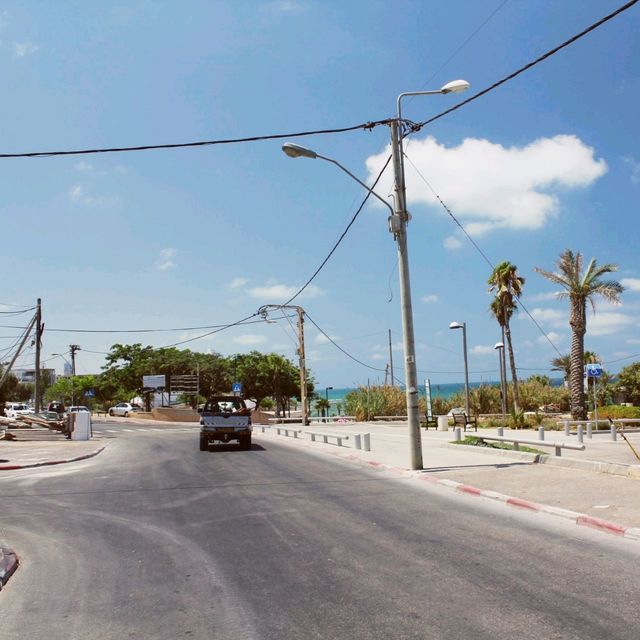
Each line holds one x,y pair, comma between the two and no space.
8,564
580,519
13,467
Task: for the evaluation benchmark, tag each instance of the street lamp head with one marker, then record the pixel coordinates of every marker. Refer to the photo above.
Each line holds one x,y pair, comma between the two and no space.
455,325
298,151
455,86
499,345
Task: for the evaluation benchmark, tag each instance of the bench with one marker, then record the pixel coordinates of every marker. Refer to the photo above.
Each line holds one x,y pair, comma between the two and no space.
460,419
429,422
325,436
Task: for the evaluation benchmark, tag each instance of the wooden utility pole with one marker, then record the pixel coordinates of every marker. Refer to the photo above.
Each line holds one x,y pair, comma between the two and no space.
38,381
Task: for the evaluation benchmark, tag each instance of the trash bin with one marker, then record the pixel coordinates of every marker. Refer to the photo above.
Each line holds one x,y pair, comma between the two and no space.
82,426
443,423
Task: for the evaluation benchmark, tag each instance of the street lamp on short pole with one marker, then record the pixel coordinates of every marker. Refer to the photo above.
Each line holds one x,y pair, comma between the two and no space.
499,347
463,326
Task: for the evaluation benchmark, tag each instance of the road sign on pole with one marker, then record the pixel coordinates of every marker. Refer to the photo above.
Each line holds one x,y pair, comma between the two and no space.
236,388
593,370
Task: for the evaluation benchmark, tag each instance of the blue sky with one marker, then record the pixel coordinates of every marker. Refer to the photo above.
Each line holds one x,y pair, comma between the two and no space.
192,237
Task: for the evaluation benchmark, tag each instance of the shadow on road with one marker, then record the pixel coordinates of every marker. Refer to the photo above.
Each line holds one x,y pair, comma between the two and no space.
233,448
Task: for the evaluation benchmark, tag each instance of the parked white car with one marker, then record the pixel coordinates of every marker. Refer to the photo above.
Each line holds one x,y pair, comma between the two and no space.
78,409
15,409
124,409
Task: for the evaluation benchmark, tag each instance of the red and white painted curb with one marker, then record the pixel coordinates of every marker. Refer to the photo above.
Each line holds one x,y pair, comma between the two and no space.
46,463
580,519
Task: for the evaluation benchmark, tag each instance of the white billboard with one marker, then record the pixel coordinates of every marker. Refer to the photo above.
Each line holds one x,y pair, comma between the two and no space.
154,382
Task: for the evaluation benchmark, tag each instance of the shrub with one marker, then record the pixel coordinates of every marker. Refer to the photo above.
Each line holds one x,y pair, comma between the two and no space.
618,411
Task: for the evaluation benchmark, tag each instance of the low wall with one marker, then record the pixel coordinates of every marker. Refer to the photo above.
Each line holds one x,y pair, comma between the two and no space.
175,415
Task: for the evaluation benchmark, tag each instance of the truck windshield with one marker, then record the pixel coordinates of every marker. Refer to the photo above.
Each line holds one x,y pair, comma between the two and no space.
225,405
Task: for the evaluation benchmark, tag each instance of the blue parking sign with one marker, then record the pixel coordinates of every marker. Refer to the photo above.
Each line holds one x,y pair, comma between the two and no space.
593,370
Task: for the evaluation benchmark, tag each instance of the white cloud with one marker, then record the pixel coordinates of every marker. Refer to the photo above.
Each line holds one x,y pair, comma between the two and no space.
633,341
22,49
79,194
277,292
287,6
322,339
452,243
631,284
553,336
378,356
76,192
489,186
552,316
84,166
248,339
606,323
542,297
430,298
236,283
635,168
481,350
620,354
165,261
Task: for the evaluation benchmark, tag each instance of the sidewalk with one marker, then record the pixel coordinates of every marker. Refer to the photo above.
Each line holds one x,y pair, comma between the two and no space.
579,482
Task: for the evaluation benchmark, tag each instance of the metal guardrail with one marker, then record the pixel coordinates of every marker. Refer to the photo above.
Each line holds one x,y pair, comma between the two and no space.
558,446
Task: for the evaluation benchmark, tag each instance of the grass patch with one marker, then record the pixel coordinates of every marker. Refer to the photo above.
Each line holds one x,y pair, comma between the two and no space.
477,442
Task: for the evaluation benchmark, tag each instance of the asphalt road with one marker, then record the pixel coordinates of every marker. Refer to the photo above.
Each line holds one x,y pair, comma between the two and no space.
155,539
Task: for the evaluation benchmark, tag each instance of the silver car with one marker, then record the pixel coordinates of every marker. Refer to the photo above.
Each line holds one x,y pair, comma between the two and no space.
124,409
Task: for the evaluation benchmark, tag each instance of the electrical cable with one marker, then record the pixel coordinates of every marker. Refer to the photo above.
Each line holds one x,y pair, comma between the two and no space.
335,344
482,253
342,235
413,127
202,143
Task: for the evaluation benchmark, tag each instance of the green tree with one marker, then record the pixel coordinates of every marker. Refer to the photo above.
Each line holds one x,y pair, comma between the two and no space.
581,286
629,382
562,363
507,285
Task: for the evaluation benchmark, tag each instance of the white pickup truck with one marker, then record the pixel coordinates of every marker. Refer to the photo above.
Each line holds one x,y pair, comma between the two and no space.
225,418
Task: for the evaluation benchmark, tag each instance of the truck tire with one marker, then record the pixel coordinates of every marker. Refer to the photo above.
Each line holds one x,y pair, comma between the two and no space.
245,442
204,444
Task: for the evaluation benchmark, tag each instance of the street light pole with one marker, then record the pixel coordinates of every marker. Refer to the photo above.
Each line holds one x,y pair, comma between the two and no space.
463,326
499,347
397,225
326,397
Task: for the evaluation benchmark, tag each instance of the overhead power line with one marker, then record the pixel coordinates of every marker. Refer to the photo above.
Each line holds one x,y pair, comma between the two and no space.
201,143
419,125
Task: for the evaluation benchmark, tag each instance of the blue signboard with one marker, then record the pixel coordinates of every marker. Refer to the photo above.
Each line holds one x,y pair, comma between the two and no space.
89,393
593,370
236,387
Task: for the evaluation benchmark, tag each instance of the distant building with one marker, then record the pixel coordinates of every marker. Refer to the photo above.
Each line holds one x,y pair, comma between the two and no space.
67,370
28,376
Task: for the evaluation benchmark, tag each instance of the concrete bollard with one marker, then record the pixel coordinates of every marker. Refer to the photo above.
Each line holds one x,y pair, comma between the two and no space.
500,431
580,434
366,442
540,433
614,433
457,434
589,430
567,428
357,444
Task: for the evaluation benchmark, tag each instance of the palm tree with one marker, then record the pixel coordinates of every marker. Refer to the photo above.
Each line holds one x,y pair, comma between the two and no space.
579,287
507,285
562,363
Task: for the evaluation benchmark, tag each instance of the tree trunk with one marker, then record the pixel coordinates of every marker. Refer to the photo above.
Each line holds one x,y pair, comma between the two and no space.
512,364
578,329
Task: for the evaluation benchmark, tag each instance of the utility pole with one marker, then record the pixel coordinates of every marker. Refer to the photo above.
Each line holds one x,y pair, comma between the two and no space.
72,351
393,382
38,382
302,366
26,334
398,226
264,311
